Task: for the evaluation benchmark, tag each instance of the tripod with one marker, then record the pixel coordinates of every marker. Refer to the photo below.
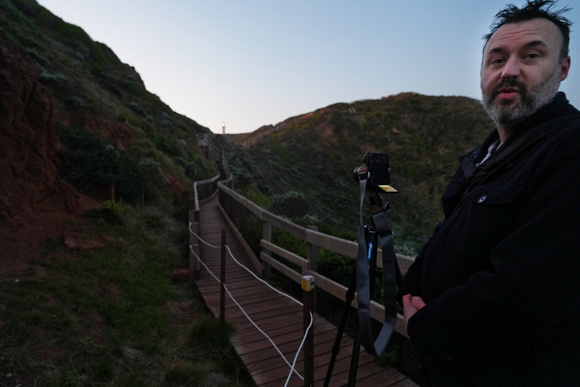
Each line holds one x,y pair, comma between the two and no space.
363,281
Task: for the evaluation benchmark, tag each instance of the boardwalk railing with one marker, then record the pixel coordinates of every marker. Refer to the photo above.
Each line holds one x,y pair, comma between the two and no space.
257,231
202,190
240,211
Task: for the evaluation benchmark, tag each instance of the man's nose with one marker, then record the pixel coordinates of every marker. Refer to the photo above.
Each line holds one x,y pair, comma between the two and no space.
511,69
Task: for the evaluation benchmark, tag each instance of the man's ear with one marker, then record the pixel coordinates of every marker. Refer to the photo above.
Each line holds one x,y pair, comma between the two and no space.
564,68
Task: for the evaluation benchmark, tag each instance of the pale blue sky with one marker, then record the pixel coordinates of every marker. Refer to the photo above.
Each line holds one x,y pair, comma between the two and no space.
250,63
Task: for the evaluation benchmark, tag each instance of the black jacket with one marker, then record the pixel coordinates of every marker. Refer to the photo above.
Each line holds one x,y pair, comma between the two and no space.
501,273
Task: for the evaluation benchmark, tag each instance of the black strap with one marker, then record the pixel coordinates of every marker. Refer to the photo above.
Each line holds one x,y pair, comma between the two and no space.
391,276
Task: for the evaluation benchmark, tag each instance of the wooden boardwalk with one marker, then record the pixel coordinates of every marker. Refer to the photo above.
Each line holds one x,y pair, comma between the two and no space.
279,317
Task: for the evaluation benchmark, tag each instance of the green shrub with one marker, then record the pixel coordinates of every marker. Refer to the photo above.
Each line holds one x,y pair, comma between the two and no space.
208,334
56,79
190,167
152,171
293,204
187,373
208,331
110,211
40,60
91,161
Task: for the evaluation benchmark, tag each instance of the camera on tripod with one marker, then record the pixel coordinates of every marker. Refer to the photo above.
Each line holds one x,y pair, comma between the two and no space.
376,170
373,176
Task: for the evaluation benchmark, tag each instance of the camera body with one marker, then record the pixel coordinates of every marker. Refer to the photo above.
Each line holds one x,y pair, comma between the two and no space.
376,169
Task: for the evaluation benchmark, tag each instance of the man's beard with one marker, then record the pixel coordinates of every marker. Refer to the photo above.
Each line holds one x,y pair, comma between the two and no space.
510,113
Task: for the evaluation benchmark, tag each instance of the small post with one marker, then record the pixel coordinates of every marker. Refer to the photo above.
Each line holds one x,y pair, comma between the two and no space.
307,287
312,256
194,264
223,280
267,236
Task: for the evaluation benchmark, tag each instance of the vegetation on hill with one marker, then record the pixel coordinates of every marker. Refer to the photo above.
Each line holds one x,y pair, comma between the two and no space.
96,306
303,167
93,90
109,315
300,168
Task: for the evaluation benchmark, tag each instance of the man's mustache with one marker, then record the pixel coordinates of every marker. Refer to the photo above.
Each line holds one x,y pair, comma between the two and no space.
510,83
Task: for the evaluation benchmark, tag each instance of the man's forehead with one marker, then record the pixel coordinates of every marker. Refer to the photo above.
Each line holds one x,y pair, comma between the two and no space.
538,29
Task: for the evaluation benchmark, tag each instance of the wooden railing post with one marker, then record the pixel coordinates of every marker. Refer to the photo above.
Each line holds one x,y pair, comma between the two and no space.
312,257
223,280
194,264
307,287
267,236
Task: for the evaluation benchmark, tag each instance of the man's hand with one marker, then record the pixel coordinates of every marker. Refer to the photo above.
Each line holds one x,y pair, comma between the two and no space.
410,306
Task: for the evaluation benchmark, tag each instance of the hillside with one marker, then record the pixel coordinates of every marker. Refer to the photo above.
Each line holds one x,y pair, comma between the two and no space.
95,176
301,167
78,125
309,160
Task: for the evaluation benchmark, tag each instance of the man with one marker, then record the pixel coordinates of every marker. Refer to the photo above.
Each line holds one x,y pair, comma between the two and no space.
493,299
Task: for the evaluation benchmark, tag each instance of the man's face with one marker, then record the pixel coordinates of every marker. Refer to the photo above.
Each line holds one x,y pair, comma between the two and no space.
521,69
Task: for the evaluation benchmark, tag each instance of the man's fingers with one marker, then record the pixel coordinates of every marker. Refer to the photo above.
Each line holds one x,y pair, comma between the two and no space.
418,302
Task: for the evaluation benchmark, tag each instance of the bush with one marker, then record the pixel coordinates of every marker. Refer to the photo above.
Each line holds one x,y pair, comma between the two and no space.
207,331
40,59
184,372
90,161
152,171
291,203
110,211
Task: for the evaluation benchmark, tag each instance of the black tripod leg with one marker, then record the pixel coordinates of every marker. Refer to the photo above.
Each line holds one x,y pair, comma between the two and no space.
354,359
336,347
373,237
370,234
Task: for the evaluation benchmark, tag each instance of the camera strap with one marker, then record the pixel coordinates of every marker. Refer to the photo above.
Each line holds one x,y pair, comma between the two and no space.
391,277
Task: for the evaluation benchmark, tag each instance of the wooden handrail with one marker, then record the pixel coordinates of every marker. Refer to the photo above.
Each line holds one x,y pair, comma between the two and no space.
202,190
228,198
331,243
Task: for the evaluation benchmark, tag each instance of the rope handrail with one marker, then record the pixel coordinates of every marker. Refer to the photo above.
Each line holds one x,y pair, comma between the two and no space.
292,366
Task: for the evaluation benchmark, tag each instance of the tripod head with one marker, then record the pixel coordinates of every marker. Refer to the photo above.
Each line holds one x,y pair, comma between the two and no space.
378,203
375,169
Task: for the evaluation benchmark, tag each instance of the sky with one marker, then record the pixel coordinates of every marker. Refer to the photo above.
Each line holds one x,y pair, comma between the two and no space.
250,63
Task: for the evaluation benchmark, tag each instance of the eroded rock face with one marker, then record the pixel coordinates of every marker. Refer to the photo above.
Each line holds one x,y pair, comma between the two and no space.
35,202
31,192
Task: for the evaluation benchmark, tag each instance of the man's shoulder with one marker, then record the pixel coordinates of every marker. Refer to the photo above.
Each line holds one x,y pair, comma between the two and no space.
565,136
568,121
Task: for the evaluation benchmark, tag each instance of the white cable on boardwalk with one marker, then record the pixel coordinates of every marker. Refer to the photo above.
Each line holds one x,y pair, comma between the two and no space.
255,325
292,366
261,280
299,349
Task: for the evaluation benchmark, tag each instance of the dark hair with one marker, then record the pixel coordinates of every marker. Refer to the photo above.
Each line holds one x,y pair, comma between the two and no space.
534,10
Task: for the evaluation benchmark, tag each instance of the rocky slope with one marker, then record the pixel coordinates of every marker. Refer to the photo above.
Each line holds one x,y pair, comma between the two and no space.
33,198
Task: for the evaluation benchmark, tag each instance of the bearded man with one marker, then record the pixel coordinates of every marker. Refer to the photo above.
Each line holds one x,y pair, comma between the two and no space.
493,298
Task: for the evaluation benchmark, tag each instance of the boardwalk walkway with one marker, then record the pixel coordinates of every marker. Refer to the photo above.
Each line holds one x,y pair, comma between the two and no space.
279,317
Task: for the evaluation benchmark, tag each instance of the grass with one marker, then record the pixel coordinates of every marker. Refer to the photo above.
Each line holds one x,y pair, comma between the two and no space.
111,316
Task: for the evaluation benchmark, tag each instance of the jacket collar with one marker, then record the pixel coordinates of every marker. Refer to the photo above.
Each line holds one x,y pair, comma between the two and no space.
558,107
